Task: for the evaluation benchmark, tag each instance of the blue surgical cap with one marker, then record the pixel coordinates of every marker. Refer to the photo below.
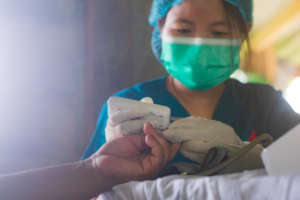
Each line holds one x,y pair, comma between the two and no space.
160,8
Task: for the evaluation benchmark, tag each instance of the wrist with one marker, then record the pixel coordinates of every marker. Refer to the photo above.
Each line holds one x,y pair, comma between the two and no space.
98,179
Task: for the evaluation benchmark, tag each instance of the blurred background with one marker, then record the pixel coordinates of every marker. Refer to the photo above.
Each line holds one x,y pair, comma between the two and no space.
61,59
275,43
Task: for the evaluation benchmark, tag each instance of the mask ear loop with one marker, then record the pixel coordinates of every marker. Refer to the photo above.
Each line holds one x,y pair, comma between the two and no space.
265,139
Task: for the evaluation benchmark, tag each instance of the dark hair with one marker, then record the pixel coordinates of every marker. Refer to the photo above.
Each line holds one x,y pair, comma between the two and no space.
237,22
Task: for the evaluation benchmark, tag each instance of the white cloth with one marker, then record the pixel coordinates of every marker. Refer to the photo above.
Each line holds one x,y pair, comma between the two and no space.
250,185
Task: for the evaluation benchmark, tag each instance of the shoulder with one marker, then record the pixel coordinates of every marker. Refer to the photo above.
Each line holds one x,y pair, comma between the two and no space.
254,97
254,91
143,89
251,86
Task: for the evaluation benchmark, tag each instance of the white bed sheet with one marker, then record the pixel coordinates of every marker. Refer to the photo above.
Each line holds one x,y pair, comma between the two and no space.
250,185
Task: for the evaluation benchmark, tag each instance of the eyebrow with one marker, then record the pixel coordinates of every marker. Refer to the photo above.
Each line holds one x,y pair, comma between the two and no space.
182,20
219,23
185,21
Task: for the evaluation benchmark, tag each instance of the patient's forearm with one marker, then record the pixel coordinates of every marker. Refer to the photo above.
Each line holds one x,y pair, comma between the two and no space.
70,181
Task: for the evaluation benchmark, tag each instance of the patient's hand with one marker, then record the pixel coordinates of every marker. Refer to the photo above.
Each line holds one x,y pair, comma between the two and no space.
136,157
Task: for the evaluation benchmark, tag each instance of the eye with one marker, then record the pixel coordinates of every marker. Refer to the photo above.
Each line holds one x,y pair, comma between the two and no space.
220,34
183,31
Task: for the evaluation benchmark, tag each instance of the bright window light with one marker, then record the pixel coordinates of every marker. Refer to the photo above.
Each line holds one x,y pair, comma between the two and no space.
292,94
240,75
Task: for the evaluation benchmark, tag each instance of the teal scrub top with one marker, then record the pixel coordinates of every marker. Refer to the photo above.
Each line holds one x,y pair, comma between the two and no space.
251,109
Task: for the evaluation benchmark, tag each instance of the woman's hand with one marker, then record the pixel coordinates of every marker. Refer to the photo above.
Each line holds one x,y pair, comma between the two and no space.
136,157
128,116
124,123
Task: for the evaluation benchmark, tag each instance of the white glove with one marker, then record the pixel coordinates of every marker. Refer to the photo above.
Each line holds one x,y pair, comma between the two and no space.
126,117
199,135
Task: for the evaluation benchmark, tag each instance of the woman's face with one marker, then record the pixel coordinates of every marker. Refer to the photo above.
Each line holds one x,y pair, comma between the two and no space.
198,18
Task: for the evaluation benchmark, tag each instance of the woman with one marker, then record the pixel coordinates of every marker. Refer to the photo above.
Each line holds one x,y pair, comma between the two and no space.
198,42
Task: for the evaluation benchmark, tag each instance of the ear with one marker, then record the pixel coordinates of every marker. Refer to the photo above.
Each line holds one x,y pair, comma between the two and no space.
161,23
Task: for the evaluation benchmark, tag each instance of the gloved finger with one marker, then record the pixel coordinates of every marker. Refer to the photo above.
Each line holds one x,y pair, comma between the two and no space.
249,161
197,157
232,148
253,158
131,127
193,128
147,100
197,146
122,116
123,129
173,135
149,130
202,124
111,133
195,123
185,134
235,148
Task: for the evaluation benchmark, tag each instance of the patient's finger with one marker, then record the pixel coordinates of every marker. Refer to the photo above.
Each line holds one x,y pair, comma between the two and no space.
154,161
149,130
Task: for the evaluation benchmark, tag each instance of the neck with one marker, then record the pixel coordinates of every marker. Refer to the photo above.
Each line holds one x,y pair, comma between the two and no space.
184,92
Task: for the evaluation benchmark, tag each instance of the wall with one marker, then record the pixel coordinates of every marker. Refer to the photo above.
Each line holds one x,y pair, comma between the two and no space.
60,60
42,76
120,52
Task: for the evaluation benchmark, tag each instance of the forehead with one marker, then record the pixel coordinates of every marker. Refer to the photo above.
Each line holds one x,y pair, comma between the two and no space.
198,10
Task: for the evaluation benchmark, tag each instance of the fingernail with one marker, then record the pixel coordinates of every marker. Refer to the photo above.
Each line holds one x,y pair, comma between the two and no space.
147,125
148,139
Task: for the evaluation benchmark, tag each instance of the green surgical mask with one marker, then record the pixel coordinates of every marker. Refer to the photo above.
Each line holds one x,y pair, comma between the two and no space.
200,63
